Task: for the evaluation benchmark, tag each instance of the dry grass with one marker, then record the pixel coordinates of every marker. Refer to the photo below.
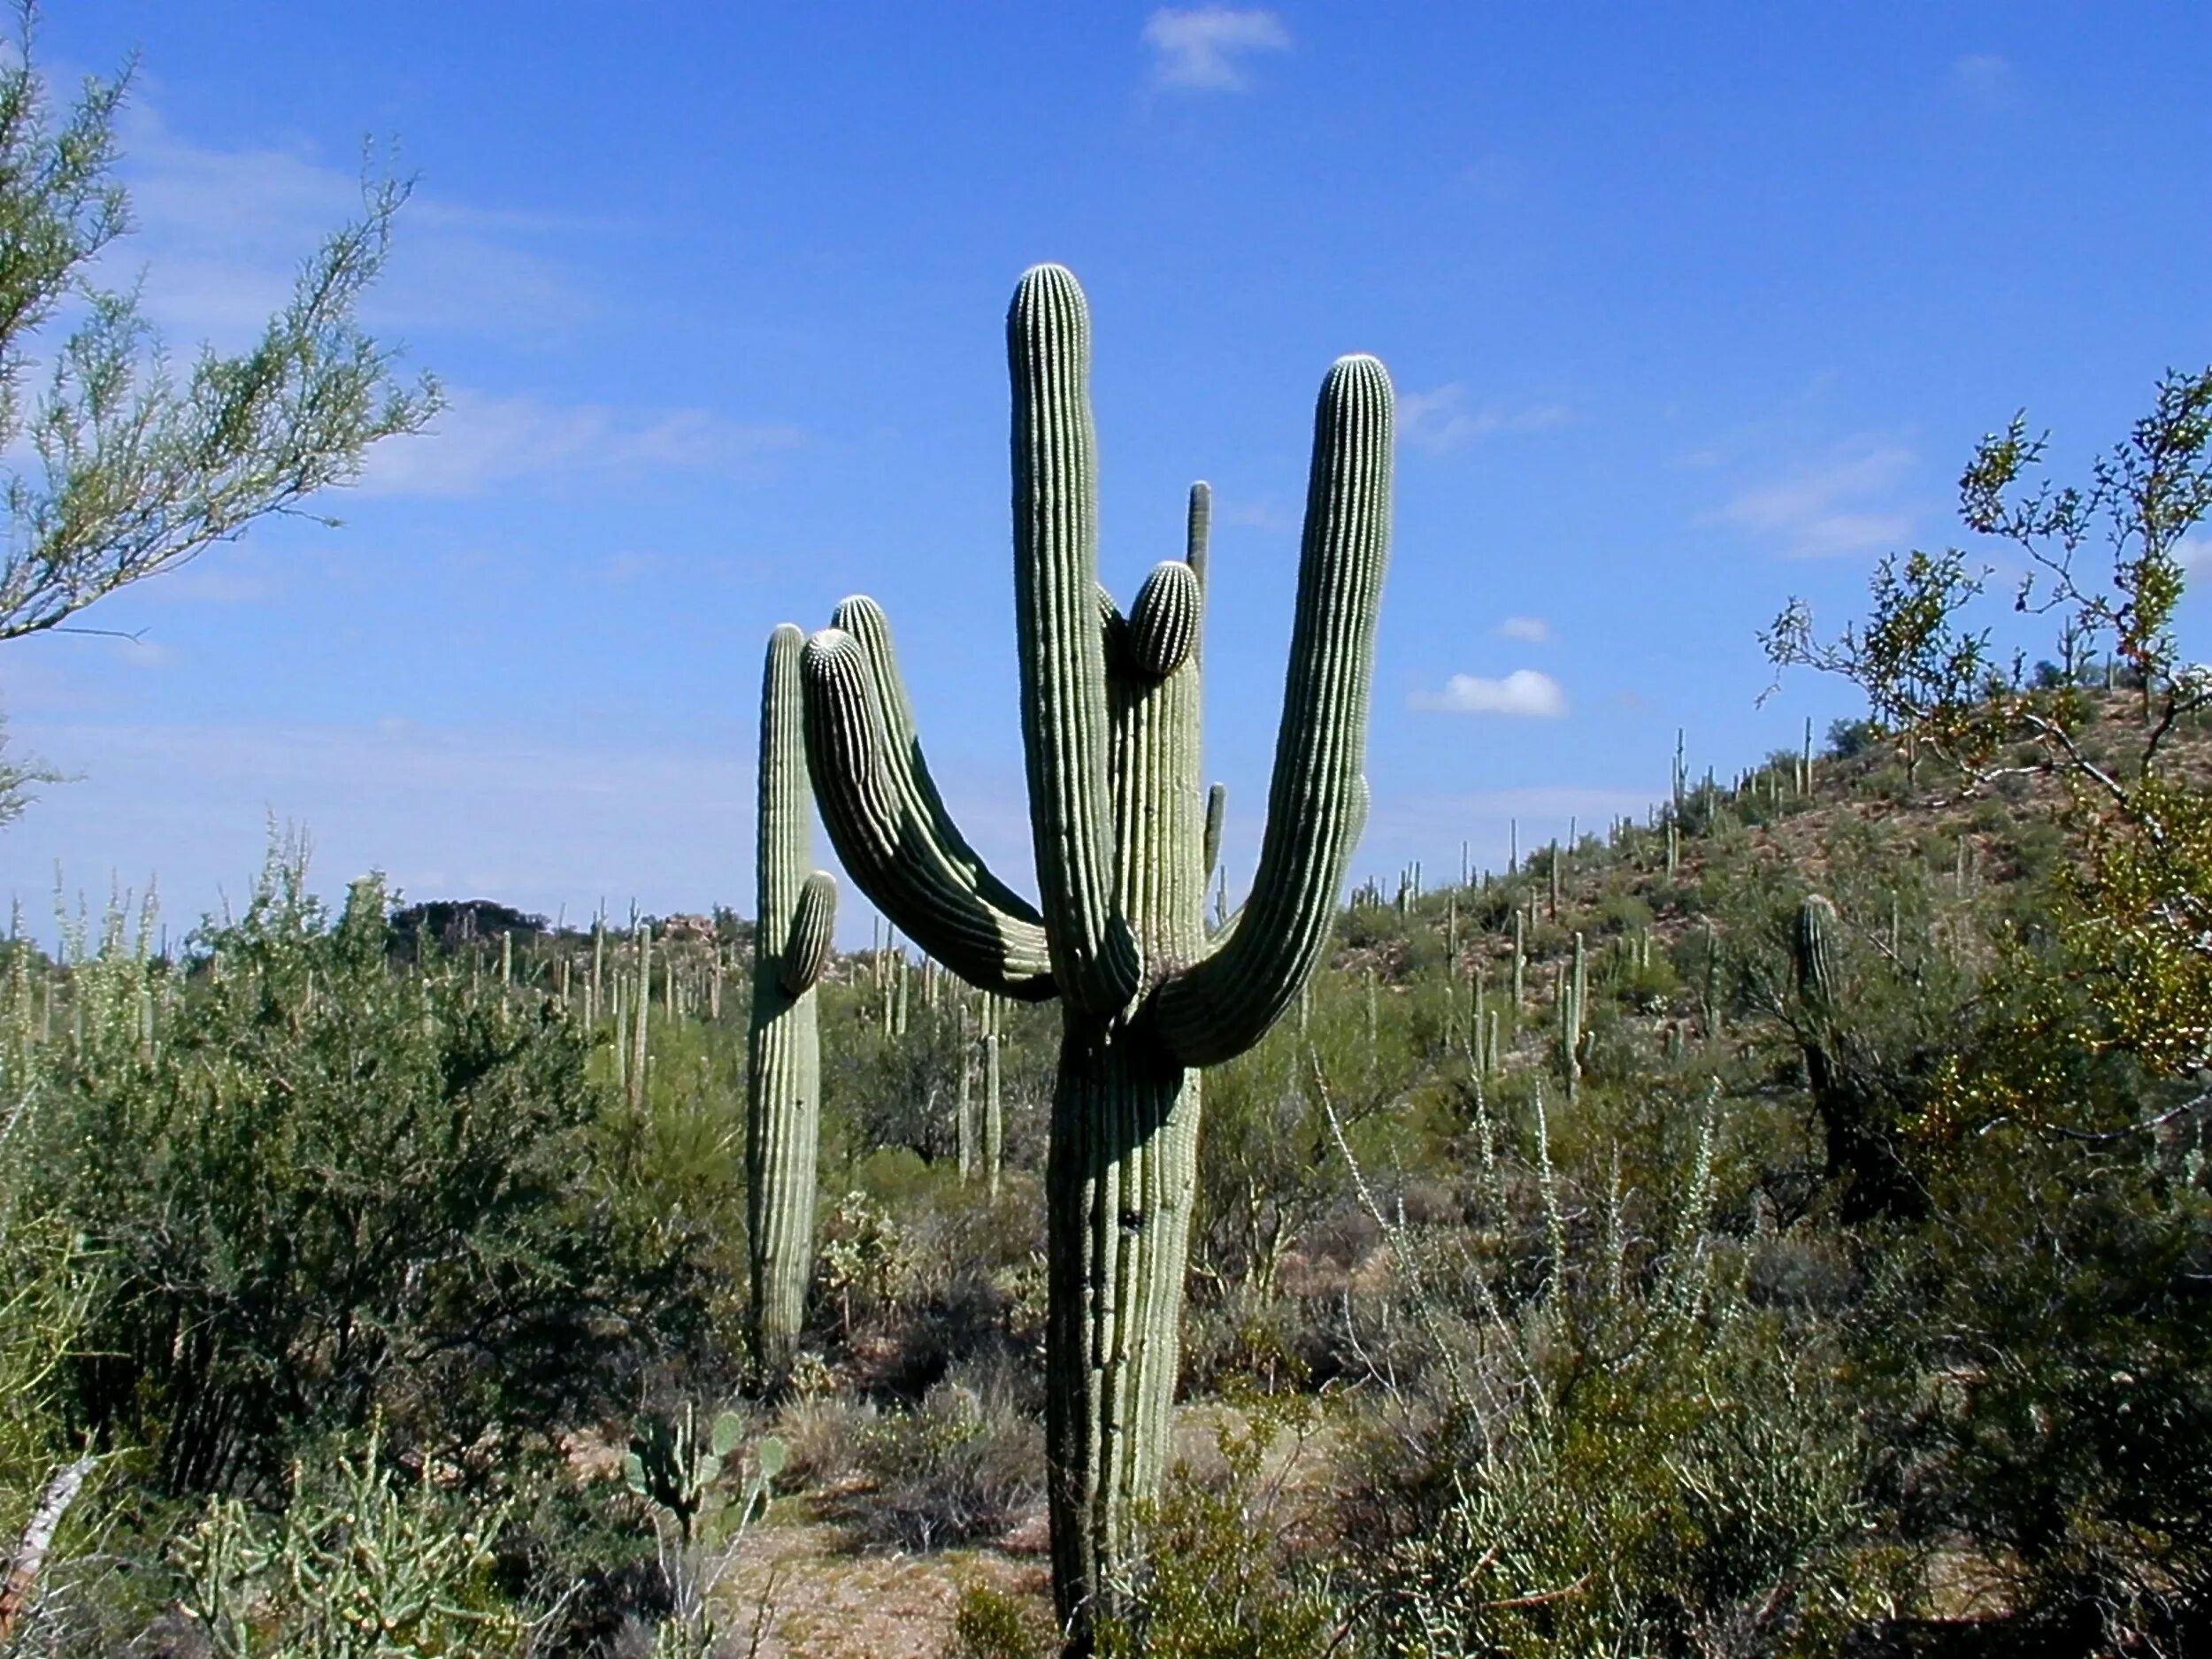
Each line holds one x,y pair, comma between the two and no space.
815,1598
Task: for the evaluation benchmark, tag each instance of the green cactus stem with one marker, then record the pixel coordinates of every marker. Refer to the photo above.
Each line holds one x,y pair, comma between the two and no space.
1574,989
1813,950
1109,715
964,1122
797,917
641,1016
1862,1156
994,1113
1709,1001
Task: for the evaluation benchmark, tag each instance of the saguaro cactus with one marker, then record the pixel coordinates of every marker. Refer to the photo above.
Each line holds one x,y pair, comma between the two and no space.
1110,728
798,912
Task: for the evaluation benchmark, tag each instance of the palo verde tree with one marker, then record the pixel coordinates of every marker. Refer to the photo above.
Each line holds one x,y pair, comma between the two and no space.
1110,729
118,467
2138,907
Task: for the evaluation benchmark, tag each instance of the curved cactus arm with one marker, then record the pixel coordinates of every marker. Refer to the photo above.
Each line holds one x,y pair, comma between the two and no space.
892,853
806,952
1216,811
1062,657
864,619
1316,802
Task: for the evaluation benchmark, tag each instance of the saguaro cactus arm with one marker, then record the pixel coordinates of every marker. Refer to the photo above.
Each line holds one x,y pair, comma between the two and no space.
1216,811
1812,947
1061,653
806,952
864,618
783,1052
1318,799
1164,623
890,848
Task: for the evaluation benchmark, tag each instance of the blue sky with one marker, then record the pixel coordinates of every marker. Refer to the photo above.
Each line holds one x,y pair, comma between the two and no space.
1690,308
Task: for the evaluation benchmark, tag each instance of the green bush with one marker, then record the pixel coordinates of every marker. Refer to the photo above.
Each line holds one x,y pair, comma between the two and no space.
319,1190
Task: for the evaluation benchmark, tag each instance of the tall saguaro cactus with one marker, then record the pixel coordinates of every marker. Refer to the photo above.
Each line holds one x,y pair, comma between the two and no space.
1110,728
798,912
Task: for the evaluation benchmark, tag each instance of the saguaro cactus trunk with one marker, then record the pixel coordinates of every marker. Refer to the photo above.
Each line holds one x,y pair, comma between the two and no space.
1110,728
797,916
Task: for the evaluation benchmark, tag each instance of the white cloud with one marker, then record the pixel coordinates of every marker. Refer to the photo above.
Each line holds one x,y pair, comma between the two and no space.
478,440
1523,693
1440,420
1830,509
1197,48
1984,80
1535,630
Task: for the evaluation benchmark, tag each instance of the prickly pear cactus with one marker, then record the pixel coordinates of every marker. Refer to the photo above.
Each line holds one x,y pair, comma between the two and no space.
1110,731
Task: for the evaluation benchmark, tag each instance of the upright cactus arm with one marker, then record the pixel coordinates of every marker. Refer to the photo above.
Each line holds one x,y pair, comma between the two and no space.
1220,1007
1217,811
806,952
892,851
864,618
1197,533
1813,950
1061,653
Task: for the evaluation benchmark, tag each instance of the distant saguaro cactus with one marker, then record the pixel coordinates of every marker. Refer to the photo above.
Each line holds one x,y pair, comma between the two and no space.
798,914
1863,1153
1110,727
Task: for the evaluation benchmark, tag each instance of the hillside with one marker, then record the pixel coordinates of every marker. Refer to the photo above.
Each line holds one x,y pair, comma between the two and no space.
1706,1296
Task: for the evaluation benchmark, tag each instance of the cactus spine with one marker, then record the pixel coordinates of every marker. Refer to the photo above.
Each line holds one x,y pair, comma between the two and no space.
797,916
1110,733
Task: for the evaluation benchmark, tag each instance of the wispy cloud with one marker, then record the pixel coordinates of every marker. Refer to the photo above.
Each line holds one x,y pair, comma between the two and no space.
1535,630
1442,419
1985,80
221,233
1834,507
480,441
1524,693
1198,48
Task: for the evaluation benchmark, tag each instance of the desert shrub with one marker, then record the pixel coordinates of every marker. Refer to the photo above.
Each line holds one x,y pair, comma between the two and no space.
1220,1576
989,1623
2045,1340
1613,1450
959,1467
320,1190
822,1437
360,1564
